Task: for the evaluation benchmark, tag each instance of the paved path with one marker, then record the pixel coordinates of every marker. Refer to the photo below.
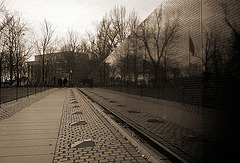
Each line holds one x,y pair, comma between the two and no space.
105,144
8,109
31,134
44,132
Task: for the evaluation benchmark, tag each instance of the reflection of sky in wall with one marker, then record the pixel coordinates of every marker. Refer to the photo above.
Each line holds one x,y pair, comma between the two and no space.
78,15
189,19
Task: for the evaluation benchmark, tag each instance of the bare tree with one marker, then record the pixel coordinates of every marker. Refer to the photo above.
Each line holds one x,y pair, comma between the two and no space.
234,60
3,42
8,37
74,57
158,36
102,44
112,30
124,25
233,52
134,59
45,43
13,36
211,59
50,64
70,52
118,18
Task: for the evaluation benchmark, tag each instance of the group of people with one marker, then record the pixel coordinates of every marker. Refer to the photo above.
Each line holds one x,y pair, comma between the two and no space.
62,82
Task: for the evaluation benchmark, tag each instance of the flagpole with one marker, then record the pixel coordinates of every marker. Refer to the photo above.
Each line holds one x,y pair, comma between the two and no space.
189,60
201,36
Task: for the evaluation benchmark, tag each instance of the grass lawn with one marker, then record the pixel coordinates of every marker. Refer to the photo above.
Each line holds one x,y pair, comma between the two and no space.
9,94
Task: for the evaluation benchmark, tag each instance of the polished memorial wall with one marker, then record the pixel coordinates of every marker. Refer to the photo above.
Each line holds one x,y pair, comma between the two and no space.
200,49
188,51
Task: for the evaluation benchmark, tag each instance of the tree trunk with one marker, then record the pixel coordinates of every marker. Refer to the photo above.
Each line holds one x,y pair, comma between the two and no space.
11,67
43,73
135,71
100,75
156,75
17,75
104,74
0,76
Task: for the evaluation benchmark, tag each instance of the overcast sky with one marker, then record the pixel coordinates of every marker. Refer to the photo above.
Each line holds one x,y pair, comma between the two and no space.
78,15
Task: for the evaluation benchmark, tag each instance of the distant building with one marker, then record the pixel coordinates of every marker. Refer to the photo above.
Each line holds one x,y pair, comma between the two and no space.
57,65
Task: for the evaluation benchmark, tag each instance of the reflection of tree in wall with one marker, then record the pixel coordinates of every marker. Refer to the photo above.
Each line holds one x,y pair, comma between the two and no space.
129,68
233,66
121,67
221,64
114,27
234,61
158,36
212,60
173,69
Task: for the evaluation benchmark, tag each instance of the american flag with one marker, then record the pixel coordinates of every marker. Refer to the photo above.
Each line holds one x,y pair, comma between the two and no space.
191,45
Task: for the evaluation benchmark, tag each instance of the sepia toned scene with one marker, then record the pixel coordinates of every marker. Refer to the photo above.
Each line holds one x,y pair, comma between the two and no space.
119,81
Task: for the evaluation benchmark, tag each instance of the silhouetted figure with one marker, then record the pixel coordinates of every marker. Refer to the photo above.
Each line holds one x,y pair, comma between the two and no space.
87,82
60,82
65,82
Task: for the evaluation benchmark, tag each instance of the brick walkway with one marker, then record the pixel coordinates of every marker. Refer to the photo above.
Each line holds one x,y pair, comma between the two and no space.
107,144
175,125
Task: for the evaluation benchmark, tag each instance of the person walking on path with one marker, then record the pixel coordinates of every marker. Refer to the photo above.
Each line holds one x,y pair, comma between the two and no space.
65,82
60,82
